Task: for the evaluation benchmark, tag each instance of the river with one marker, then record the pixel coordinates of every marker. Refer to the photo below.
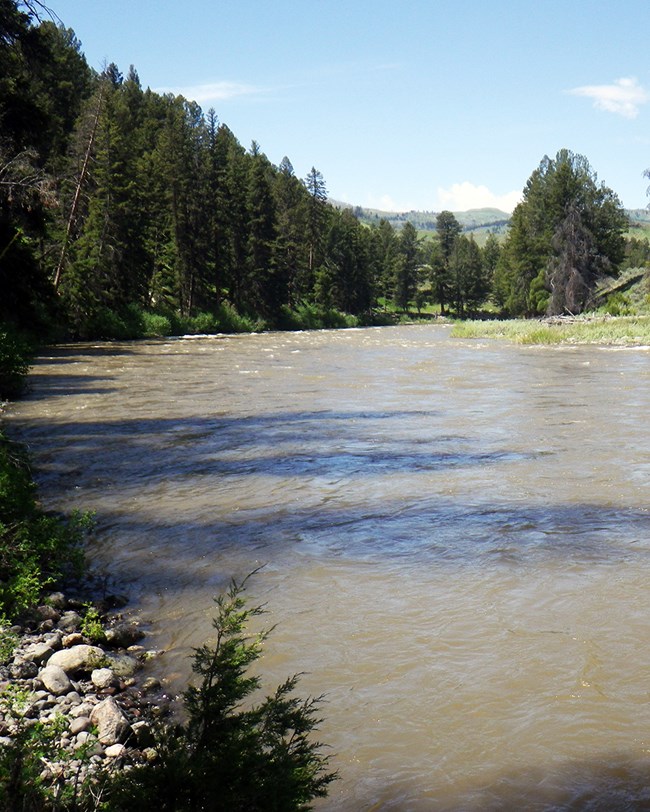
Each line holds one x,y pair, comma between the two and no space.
455,538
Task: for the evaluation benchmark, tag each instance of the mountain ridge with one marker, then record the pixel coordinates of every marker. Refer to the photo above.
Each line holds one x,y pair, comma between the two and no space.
478,221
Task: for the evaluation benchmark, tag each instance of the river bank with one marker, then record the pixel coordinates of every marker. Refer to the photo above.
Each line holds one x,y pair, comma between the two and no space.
595,329
76,700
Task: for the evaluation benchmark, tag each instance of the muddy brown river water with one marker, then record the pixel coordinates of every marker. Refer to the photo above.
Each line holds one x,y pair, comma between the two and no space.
455,534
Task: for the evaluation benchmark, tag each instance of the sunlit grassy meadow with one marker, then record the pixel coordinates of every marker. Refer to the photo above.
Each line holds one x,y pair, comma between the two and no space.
617,331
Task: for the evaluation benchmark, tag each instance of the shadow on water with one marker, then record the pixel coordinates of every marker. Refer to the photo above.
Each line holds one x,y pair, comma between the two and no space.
43,386
174,555
285,444
333,457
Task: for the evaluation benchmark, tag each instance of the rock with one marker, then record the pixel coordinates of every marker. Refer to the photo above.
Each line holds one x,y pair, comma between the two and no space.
53,640
46,612
72,639
69,621
151,684
115,602
78,658
143,734
153,654
114,750
22,670
46,625
123,635
79,724
55,680
121,664
103,678
112,724
85,709
57,600
82,737
38,652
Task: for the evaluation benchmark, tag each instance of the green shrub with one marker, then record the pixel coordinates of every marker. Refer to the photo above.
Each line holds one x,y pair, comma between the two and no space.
15,356
110,324
617,305
36,549
155,324
307,316
203,323
91,625
8,643
231,754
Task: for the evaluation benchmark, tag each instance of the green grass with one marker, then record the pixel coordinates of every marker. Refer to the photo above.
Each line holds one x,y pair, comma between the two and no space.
616,331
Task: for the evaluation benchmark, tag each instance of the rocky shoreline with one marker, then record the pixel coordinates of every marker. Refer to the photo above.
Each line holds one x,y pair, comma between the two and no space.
92,692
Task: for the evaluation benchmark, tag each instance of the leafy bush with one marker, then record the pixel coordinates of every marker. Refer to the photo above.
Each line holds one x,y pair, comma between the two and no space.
36,549
155,324
232,755
91,625
315,317
617,305
15,354
110,324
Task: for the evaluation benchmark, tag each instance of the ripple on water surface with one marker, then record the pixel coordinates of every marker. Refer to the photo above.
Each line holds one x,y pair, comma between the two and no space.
455,539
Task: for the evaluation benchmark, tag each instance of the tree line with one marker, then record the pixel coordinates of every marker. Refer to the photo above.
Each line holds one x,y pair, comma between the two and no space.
117,203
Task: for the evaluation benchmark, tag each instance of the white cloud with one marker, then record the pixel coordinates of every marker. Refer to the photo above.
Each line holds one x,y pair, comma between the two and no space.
214,91
464,196
623,97
387,203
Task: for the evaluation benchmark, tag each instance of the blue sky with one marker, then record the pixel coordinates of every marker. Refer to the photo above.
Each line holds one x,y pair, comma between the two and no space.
407,104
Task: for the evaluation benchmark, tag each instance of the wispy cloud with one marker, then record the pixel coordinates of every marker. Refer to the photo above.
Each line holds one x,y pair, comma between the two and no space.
464,196
215,91
623,97
387,203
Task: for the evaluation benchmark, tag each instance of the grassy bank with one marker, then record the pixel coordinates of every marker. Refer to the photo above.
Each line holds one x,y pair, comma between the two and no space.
605,330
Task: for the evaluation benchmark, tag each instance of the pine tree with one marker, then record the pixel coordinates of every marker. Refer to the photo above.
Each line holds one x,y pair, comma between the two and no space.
531,251
406,270
448,229
232,755
317,216
266,282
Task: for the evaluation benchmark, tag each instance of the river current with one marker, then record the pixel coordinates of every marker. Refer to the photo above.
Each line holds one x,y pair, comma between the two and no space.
455,538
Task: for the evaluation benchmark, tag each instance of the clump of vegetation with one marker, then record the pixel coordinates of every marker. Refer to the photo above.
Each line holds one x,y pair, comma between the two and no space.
26,780
15,356
36,549
232,754
91,625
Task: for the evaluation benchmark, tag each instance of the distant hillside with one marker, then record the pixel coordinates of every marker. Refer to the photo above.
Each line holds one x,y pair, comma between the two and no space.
475,220
479,222
639,223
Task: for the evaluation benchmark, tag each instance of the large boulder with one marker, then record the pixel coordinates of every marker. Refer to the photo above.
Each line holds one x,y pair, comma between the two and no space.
78,658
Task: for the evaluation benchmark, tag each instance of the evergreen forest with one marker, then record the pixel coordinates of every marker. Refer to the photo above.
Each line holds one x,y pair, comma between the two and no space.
124,213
